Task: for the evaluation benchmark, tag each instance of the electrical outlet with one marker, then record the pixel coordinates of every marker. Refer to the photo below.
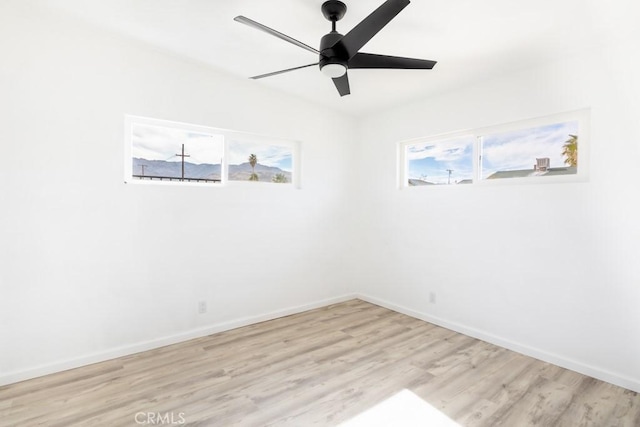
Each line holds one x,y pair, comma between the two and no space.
432,297
202,307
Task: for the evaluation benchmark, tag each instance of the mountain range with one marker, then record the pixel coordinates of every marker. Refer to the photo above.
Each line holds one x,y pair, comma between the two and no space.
240,172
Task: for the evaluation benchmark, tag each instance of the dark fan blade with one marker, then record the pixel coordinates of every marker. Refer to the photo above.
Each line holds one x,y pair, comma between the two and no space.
281,71
369,27
342,84
259,26
370,60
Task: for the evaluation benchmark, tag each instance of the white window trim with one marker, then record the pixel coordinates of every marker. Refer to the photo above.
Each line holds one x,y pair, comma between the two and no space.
582,116
228,136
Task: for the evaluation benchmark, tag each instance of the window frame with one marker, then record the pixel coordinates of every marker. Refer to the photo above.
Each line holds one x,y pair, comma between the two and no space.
228,137
581,116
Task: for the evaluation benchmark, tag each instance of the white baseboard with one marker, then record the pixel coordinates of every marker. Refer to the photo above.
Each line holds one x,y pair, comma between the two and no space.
38,371
598,373
63,365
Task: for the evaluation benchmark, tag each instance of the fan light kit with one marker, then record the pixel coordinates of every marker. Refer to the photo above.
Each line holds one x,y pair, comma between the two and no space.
334,70
338,52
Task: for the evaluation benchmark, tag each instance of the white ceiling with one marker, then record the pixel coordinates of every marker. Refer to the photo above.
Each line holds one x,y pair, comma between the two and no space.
471,39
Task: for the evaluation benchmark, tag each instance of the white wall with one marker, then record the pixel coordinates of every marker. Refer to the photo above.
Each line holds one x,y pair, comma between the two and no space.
551,269
92,267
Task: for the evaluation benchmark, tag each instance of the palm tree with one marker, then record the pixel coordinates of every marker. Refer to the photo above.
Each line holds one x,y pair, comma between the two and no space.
253,161
570,151
279,178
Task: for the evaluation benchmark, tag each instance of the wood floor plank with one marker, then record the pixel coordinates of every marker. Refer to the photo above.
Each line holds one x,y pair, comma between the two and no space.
476,413
320,368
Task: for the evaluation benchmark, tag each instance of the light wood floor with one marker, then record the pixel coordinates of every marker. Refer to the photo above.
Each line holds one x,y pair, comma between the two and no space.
321,367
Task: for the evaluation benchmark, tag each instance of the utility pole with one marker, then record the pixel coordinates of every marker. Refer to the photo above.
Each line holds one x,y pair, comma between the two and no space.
143,166
449,179
183,156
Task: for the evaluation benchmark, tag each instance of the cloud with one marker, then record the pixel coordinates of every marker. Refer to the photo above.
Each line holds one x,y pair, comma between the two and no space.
448,150
519,149
163,143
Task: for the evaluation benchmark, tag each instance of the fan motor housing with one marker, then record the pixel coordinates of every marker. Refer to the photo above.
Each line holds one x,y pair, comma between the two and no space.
330,52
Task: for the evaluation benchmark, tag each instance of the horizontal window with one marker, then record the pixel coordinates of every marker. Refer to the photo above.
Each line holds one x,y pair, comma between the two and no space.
548,149
164,152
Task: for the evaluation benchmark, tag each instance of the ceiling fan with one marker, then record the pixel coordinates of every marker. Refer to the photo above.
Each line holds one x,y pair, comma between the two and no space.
340,52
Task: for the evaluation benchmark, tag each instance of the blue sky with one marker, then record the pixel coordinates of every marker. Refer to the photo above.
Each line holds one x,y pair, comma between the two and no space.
429,161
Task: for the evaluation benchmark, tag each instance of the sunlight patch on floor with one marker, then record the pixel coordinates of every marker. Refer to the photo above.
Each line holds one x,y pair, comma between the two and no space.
403,409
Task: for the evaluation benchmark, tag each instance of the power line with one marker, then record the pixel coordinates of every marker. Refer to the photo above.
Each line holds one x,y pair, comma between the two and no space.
449,179
183,156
